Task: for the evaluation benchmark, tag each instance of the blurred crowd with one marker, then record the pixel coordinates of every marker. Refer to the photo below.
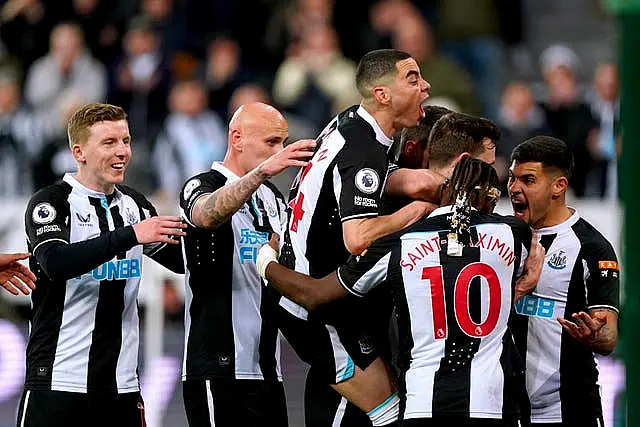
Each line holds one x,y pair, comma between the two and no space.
180,68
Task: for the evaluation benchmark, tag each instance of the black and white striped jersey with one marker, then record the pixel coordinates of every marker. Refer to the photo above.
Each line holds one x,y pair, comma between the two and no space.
230,331
344,180
457,355
580,273
84,329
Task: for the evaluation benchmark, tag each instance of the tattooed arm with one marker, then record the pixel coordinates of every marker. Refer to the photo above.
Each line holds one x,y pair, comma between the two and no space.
216,208
598,329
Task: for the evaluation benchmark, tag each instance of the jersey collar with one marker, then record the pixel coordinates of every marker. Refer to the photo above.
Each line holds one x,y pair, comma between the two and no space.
563,226
442,210
75,184
218,166
380,136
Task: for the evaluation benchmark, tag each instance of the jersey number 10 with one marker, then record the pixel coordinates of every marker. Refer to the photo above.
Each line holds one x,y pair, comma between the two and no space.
461,299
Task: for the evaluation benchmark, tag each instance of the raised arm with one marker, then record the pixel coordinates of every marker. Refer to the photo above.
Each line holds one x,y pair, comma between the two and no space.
359,233
215,208
419,184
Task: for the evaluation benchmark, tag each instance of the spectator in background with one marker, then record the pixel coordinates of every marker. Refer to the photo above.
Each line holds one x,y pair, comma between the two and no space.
192,138
470,33
25,26
519,119
605,106
103,32
22,137
167,23
66,77
316,81
140,84
568,115
448,81
224,71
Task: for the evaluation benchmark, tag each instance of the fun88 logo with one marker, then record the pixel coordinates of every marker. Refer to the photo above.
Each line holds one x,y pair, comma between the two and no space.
250,241
530,305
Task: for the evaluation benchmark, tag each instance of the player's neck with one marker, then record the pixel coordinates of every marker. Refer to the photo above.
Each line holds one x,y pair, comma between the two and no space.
557,215
232,163
384,118
93,183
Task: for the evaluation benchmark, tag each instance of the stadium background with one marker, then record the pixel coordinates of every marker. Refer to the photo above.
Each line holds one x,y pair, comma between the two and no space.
181,67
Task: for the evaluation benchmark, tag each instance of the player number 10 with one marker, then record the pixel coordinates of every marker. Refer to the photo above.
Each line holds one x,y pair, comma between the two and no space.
461,299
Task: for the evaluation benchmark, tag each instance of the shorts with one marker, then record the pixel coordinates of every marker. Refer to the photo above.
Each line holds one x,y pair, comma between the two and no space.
596,421
49,408
223,402
451,421
332,350
325,407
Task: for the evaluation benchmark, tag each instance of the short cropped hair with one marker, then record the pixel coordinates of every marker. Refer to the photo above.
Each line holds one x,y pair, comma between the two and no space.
458,133
553,153
375,66
88,115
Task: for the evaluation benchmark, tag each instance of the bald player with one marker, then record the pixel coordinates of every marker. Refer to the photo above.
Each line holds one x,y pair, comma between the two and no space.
231,368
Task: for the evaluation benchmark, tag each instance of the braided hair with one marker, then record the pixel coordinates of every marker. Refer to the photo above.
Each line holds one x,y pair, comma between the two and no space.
473,184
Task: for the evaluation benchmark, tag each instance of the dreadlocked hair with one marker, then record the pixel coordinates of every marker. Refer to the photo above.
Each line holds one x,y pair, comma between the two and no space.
473,184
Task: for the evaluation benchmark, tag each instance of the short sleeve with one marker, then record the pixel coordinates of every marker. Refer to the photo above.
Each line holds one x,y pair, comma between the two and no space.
47,217
197,187
362,273
359,182
602,275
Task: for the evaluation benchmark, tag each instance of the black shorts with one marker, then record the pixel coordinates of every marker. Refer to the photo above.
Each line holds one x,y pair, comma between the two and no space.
225,402
332,350
325,407
451,421
595,421
65,409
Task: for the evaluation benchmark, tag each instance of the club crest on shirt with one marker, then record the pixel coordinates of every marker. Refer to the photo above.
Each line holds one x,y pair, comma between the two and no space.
367,180
271,209
558,260
189,187
43,213
130,217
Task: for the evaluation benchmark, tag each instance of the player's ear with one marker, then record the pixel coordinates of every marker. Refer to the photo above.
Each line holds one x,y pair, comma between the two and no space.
559,186
382,94
236,140
78,153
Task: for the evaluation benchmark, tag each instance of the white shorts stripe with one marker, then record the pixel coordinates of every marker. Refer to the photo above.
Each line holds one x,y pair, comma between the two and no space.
337,420
207,386
24,408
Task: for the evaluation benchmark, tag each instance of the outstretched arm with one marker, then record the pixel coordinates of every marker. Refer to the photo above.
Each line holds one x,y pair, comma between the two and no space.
216,208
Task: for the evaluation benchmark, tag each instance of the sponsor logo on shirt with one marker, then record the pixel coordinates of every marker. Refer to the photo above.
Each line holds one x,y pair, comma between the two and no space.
250,241
43,213
367,180
363,201
116,270
607,265
47,229
84,221
558,260
530,305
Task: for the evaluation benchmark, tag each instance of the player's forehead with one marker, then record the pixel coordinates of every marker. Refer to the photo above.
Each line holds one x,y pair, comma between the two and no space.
407,68
526,168
118,129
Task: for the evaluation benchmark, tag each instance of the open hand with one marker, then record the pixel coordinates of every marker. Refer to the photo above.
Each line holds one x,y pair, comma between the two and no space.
160,229
584,328
294,154
15,277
